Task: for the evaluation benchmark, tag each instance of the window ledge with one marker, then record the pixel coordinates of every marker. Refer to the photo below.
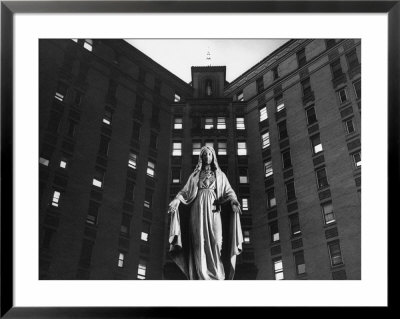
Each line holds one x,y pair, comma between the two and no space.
333,224
339,266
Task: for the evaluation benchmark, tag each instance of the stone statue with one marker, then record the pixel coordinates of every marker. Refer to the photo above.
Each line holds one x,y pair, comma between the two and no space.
201,255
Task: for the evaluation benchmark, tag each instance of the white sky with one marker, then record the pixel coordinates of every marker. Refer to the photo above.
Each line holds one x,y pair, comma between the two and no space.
179,55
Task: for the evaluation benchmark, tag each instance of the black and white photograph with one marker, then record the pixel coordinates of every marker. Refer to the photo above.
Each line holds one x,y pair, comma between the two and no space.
199,159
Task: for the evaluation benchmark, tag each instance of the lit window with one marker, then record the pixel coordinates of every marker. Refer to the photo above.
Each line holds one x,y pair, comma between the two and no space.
286,159
290,191
88,45
265,140
300,263
271,200
245,204
243,179
322,179
335,253
141,270
93,212
240,96
268,169
342,93
121,258
327,211
176,175
294,225
263,114
357,159
196,148
150,169
145,232
176,149
63,163
246,236
61,92
241,148
316,144
306,87
274,231
148,198
311,116
357,88
240,123
125,225
56,198
44,161
222,148
132,161
209,144
209,123
278,269
221,123
177,97
98,178
178,123
349,126
282,130
107,117
280,105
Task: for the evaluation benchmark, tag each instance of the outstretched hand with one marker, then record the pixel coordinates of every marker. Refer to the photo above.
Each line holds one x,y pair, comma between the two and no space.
235,206
173,206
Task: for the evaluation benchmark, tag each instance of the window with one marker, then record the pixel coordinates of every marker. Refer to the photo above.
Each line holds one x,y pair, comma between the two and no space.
141,269
271,200
245,204
121,258
342,93
222,148
136,131
196,148
145,231
294,225
178,123
71,128
98,178
349,125
209,123
274,231
263,114
177,97
176,149
357,159
275,72
243,178
56,198
63,163
352,59
44,161
335,253
240,123
268,168
336,69
357,88
311,116
153,140
125,225
78,98
209,144
278,269
286,160
280,105
330,43
130,189
241,148
240,96
132,161
93,213
61,91
148,197
306,87
103,147
176,175
246,236
265,140
54,122
327,211
88,44
282,130
322,179
300,263
107,117
221,123
301,57
316,144
260,84
150,168
290,191
86,253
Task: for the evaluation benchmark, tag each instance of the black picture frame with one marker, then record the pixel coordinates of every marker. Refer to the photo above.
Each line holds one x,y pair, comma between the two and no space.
9,8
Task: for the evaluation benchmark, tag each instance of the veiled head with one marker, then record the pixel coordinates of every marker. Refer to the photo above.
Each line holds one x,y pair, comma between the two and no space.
207,153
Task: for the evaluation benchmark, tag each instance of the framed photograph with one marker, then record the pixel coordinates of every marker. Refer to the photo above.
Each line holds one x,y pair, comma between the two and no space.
145,143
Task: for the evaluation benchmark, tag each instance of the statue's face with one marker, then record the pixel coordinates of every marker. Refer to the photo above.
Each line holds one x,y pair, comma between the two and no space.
207,157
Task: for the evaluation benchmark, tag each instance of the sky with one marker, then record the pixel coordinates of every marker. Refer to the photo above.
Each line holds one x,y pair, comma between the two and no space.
179,55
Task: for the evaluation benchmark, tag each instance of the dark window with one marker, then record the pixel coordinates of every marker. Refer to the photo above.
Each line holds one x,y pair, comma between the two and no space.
311,116
104,143
240,96
71,128
290,191
125,224
352,59
93,213
294,225
336,69
157,86
130,190
306,86
176,175
275,72
274,231
153,140
282,130
322,179
260,84
112,88
357,88
136,131
47,237
335,253
342,93
300,263
301,57
286,160
54,122
139,104
330,43
78,98
148,198
86,253
349,126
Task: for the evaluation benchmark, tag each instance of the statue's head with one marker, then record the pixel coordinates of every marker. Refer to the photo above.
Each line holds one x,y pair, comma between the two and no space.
207,156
